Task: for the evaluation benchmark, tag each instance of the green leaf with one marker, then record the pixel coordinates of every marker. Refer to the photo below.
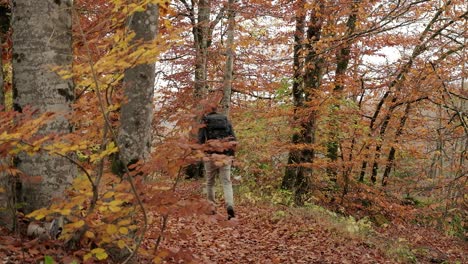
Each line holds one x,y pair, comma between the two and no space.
48,260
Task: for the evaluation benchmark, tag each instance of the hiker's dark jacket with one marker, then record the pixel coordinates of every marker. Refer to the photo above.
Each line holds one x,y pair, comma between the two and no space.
231,136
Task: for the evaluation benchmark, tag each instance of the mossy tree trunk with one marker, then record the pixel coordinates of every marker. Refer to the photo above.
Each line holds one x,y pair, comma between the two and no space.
134,134
42,37
307,79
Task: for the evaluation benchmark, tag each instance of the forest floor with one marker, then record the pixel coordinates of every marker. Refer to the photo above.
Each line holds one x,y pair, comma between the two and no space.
268,232
263,232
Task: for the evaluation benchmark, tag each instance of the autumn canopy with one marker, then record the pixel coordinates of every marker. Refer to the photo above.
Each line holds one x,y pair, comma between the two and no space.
351,118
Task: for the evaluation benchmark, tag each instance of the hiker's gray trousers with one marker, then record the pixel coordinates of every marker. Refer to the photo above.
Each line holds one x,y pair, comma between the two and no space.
224,172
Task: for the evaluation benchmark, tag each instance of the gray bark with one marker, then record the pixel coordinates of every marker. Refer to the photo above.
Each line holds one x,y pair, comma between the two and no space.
42,38
201,38
228,70
137,110
6,215
202,29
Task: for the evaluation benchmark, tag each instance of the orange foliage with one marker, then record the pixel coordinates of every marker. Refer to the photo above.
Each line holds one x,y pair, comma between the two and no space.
105,212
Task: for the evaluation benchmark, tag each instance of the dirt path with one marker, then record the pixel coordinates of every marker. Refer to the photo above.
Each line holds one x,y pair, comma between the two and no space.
264,234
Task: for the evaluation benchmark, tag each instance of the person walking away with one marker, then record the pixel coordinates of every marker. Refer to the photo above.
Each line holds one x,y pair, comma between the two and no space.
219,142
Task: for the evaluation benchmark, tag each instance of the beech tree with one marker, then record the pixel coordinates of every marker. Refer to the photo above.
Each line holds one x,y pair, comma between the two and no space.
299,172
42,39
229,67
393,97
316,100
202,28
137,107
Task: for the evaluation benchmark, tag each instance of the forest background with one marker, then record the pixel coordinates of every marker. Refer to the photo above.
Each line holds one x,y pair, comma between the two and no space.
354,111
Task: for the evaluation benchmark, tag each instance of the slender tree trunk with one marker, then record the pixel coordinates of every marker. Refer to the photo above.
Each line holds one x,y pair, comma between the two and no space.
371,129
349,168
342,61
400,78
6,217
436,166
137,110
4,28
228,70
382,132
42,37
292,170
2,87
392,152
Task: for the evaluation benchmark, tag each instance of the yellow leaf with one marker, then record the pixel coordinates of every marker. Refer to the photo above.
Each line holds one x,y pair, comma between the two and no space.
116,202
133,227
78,224
65,212
100,253
114,209
2,190
121,244
87,256
89,234
123,230
39,216
111,229
124,222
106,239
139,9
108,195
101,256
97,251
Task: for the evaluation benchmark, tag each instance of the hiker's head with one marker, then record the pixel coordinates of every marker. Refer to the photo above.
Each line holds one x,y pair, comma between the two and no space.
212,101
211,107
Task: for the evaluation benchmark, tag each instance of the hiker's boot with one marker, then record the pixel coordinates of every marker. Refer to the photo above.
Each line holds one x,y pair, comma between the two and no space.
230,212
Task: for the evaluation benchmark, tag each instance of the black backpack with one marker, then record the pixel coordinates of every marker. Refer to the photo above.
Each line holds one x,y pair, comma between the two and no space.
217,126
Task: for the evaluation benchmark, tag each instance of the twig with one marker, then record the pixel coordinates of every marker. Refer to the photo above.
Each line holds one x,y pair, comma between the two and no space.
163,227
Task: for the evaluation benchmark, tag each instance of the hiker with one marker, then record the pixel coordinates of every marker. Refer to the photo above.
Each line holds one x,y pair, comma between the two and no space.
220,142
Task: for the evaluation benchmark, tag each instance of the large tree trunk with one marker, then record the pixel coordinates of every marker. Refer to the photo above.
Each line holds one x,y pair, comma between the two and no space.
201,32
298,173
298,97
228,70
6,181
41,38
201,29
137,110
